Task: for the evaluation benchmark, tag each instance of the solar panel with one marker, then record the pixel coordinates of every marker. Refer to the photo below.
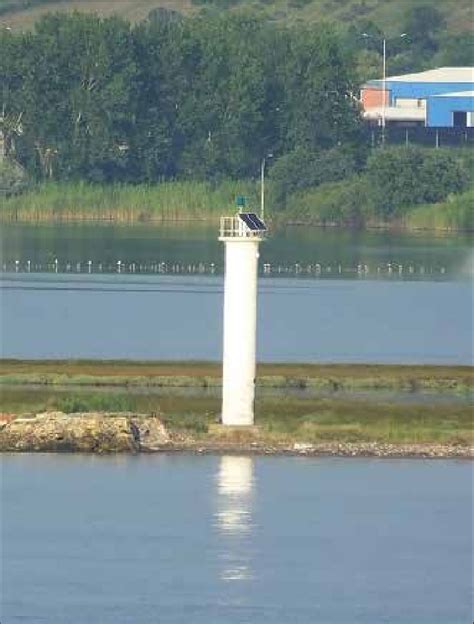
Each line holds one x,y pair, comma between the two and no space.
253,222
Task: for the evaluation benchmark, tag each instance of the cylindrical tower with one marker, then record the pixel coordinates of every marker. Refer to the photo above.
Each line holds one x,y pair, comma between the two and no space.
242,235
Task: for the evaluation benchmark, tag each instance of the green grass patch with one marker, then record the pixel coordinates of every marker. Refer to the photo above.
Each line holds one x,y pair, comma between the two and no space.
281,420
340,420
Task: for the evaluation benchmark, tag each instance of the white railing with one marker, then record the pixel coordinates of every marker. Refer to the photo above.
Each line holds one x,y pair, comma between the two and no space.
234,227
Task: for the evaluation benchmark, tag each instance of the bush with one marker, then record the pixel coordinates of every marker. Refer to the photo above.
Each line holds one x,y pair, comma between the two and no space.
304,168
341,203
400,177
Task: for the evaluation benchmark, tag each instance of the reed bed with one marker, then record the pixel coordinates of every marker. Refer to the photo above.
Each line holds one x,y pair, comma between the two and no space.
455,214
166,201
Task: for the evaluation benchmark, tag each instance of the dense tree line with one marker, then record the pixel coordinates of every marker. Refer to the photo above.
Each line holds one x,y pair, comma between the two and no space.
208,97
204,97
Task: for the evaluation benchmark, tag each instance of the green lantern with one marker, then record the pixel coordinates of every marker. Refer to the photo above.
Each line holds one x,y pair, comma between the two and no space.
241,201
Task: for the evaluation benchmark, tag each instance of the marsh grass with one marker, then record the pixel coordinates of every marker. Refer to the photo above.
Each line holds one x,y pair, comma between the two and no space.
456,213
340,420
333,377
166,201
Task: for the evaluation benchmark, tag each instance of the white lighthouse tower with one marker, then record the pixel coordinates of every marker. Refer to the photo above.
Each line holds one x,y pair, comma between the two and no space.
242,235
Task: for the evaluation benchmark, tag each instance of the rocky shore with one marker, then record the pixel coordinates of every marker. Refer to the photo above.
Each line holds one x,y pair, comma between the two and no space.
83,432
139,433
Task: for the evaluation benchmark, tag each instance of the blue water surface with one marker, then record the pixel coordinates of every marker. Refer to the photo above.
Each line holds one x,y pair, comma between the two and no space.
175,317
207,539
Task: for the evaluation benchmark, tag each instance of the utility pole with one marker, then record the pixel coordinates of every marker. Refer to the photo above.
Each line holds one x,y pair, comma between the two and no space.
384,79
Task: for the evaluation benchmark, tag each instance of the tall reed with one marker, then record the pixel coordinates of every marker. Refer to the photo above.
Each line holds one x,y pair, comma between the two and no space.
456,213
171,201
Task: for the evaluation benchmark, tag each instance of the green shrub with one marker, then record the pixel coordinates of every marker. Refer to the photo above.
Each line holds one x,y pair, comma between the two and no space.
339,203
304,168
400,177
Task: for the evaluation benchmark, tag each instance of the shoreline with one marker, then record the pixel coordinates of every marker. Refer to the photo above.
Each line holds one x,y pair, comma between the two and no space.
205,374
417,454
213,219
110,434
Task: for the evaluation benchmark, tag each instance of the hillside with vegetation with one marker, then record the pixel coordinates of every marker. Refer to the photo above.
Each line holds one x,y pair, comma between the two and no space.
203,99
386,14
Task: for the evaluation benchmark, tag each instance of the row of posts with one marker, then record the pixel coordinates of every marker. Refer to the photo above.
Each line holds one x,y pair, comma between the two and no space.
201,268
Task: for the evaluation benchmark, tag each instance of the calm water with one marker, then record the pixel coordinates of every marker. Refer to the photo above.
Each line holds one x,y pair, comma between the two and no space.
180,539
184,247
169,317
324,295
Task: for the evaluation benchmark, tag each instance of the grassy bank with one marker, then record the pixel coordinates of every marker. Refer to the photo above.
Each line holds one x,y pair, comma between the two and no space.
170,201
205,374
283,417
280,420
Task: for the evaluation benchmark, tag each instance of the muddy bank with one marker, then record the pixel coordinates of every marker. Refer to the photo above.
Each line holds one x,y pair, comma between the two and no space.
136,433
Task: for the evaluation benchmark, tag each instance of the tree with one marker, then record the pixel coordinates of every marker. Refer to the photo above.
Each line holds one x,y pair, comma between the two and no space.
320,110
77,95
222,116
423,23
201,97
456,50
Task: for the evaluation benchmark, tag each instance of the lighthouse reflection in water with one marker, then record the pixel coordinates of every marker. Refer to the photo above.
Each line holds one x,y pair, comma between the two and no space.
233,516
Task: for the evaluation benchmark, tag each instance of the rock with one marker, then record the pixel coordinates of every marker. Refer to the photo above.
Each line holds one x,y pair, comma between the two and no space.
302,447
149,433
88,433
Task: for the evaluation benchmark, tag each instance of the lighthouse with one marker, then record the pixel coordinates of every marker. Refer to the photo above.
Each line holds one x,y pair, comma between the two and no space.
242,235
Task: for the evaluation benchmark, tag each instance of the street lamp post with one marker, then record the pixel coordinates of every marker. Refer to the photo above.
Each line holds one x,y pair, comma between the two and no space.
262,185
384,78
384,87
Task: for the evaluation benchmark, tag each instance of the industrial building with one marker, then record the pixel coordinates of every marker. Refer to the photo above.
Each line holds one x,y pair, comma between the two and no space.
438,98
